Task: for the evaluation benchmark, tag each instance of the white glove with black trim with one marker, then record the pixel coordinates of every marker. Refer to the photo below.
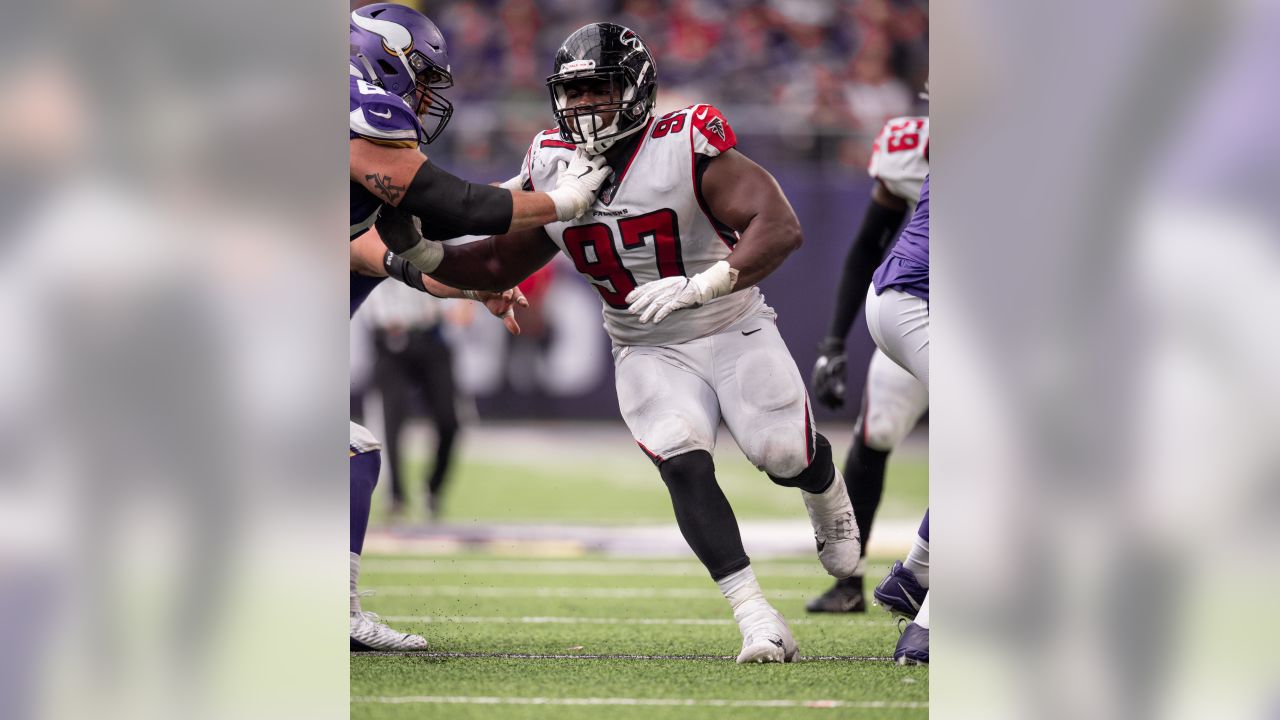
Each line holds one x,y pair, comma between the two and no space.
579,182
658,299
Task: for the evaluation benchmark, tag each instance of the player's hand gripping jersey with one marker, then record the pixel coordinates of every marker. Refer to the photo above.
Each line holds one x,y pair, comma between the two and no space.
383,118
900,156
649,222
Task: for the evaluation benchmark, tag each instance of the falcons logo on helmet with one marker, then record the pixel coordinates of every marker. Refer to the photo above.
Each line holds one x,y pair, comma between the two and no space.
631,40
716,125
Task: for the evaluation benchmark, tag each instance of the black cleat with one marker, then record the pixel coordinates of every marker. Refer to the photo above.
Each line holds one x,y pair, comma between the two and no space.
845,596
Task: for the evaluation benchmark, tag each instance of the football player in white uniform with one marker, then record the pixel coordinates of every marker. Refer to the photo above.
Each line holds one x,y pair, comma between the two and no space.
675,244
892,400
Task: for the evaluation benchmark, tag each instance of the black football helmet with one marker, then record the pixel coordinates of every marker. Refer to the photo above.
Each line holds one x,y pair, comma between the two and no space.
604,51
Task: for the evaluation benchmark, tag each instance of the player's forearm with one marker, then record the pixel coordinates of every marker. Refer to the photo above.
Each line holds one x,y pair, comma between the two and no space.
439,289
447,205
366,255
868,248
476,266
763,246
531,210
451,207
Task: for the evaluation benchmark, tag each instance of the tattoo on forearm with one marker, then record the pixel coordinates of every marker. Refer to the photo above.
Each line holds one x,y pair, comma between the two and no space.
388,191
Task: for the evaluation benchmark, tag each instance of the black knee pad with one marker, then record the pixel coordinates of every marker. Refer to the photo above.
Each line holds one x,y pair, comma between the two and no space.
820,473
687,467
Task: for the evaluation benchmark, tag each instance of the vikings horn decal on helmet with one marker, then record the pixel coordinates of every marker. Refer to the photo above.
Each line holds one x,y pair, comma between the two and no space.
609,53
399,50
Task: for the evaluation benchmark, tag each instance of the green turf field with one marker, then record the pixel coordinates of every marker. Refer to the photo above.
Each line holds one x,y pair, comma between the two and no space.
590,636
614,634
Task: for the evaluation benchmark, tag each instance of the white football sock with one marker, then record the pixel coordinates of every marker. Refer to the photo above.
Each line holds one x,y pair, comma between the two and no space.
922,618
743,592
918,561
355,579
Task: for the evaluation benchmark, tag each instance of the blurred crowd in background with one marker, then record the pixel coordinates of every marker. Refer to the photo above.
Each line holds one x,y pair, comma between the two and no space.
798,79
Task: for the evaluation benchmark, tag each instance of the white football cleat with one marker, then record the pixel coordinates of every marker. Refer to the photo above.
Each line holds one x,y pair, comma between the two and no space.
766,638
369,633
834,530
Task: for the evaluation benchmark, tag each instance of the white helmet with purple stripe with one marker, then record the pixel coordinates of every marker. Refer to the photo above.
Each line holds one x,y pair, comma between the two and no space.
399,50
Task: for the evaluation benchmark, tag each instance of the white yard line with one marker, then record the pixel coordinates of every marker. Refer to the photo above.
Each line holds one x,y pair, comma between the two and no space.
387,566
541,620
661,702
573,592
606,656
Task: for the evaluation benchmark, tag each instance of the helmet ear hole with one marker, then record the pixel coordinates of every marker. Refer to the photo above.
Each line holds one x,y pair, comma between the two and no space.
386,67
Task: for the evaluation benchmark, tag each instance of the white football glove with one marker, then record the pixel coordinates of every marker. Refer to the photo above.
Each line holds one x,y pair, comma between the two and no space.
515,183
658,299
579,182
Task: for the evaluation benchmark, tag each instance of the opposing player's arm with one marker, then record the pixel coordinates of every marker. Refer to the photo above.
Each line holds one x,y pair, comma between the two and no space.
497,262
879,224
449,207
370,256
744,196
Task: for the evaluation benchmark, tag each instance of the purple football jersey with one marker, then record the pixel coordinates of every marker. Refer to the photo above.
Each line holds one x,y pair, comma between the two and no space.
385,119
907,267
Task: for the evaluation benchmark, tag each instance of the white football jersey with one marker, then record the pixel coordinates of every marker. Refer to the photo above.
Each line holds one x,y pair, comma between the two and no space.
649,222
900,156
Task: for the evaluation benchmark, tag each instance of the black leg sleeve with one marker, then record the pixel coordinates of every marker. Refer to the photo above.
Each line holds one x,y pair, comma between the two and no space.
703,513
864,476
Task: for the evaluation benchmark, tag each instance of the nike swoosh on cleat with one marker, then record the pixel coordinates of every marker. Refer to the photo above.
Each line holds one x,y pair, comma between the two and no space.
776,642
751,332
914,605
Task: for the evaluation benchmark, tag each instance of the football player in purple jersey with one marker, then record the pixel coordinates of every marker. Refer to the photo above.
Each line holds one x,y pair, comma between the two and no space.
892,400
398,66
898,320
